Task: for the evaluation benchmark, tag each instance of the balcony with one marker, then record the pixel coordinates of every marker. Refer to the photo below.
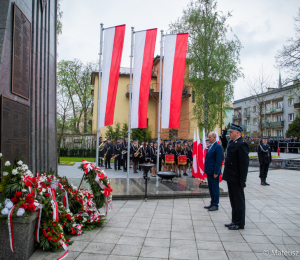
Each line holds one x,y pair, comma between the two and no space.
236,116
244,127
277,110
277,124
154,91
246,114
297,105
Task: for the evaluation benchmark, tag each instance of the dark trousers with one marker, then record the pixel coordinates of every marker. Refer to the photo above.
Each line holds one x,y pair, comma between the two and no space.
107,161
214,191
160,162
117,162
125,162
237,201
135,166
263,170
100,162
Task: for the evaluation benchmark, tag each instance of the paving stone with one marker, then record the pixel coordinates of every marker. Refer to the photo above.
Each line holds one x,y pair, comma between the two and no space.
78,246
210,245
155,252
256,239
236,247
126,250
90,256
99,248
164,227
158,234
127,240
241,256
206,237
212,255
182,235
157,242
117,257
183,252
135,232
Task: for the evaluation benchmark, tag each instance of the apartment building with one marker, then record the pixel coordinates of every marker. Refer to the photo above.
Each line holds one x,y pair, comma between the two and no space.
269,113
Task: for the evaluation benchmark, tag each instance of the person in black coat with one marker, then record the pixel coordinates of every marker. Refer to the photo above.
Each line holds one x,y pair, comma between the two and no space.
117,154
124,153
154,157
135,152
142,155
108,152
101,154
235,173
265,158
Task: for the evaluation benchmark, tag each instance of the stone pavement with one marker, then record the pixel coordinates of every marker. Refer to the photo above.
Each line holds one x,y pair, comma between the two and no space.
183,229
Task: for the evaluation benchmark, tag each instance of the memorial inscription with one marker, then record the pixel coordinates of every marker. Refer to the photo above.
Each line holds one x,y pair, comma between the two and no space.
21,54
14,130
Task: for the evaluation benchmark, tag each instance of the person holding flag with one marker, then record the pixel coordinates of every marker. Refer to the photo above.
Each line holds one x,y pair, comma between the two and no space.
212,168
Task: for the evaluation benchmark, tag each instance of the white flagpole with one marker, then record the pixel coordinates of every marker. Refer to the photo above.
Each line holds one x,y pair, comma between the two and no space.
159,102
129,113
98,104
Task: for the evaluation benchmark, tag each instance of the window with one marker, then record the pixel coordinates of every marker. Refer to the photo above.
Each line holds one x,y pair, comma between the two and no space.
279,132
255,121
279,118
193,96
254,109
291,102
246,122
291,117
279,104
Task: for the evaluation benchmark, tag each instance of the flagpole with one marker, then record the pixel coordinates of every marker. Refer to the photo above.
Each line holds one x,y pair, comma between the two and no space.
98,104
129,113
159,102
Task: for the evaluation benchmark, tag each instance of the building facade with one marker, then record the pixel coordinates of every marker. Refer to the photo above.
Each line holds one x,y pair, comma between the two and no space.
268,114
187,125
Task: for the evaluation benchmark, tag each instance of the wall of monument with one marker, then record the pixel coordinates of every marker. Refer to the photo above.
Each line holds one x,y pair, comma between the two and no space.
28,81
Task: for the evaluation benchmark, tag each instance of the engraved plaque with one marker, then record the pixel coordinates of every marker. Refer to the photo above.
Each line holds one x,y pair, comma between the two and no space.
21,54
14,130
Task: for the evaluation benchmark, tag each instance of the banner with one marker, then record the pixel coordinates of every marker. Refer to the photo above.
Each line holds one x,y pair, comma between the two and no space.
142,71
112,54
175,47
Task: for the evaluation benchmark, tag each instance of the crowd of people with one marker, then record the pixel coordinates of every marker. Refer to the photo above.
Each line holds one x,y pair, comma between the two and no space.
146,151
286,145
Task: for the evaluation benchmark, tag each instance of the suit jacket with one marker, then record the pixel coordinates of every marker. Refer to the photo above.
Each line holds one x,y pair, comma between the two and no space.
236,161
213,160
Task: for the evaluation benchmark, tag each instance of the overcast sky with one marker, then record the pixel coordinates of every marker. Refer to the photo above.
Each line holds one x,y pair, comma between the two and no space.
262,26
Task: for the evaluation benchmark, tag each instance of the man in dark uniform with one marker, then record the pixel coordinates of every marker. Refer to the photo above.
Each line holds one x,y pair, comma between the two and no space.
265,158
108,152
117,153
101,154
135,151
275,145
161,154
235,173
124,153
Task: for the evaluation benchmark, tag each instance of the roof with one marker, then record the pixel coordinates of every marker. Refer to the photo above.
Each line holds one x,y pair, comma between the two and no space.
276,90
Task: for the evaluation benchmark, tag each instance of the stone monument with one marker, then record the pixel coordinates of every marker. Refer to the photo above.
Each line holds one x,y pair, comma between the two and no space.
28,82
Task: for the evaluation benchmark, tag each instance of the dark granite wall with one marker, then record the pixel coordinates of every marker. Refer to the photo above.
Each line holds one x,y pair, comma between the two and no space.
42,102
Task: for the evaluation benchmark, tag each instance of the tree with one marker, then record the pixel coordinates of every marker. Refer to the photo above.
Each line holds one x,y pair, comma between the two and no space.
294,128
59,17
74,78
288,58
213,59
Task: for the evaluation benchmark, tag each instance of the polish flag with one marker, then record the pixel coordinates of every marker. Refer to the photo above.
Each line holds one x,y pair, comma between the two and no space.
142,71
112,54
218,140
200,157
195,159
173,76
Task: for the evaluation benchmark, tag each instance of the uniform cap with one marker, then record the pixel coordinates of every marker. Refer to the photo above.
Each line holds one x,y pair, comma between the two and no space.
235,127
135,139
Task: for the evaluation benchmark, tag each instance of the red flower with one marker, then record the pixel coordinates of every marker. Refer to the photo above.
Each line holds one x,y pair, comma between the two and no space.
23,206
31,208
30,201
68,239
18,194
14,200
27,183
48,229
47,194
36,184
54,225
33,179
49,238
29,196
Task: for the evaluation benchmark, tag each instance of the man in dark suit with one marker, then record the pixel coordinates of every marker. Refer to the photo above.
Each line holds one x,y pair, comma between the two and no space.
235,173
213,164
117,153
108,153
265,158
124,153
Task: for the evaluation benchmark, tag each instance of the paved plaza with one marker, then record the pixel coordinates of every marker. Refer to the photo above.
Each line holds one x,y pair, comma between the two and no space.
183,229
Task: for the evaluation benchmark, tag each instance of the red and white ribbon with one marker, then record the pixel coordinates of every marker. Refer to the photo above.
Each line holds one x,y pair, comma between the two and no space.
87,166
32,191
65,200
54,206
37,229
11,230
97,179
65,247
109,205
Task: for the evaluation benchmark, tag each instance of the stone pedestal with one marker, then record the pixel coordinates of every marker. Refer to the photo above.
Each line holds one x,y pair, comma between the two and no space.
24,232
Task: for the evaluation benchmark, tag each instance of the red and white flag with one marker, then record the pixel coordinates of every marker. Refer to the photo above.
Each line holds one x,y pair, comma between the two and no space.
112,54
142,71
218,140
195,159
204,149
200,157
175,47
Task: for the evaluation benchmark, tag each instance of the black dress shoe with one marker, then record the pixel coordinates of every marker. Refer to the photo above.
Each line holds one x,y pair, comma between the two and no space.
235,227
185,174
208,207
266,183
228,225
263,183
109,168
213,208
